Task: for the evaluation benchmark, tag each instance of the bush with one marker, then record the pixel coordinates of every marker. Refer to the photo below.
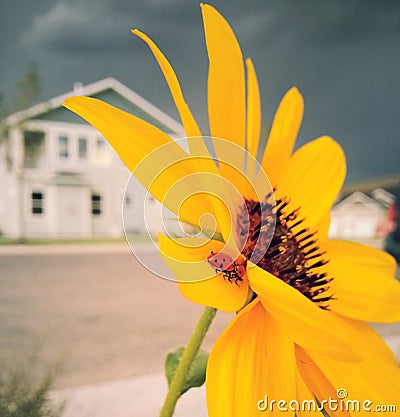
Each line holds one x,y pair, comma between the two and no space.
21,396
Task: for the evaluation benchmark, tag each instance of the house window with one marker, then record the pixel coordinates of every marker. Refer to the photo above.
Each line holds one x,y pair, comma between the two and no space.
127,200
37,202
102,156
96,204
100,143
82,148
63,147
33,148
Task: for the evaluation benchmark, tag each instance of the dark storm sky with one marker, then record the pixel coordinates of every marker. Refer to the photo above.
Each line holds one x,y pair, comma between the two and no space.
343,55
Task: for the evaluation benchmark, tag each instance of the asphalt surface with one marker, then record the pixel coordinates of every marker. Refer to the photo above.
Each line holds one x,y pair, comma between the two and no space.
95,314
105,323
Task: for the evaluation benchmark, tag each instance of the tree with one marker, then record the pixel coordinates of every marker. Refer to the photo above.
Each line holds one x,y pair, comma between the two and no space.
1,105
28,89
27,94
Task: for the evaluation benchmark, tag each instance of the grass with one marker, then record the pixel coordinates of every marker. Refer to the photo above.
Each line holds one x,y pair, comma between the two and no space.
4,241
23,396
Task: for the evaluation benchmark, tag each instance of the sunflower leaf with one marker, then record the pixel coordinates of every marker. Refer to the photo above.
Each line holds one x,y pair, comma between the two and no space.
197,372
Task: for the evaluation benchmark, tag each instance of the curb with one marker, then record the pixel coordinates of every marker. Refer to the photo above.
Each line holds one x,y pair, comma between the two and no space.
139,396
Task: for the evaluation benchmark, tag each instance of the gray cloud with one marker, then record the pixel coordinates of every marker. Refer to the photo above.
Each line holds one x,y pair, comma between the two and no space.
325,22
77,28
90,26
342,54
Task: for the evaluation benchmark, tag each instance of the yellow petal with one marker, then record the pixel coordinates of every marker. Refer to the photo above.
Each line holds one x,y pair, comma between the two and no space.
313,178
198,150
226,88
216,292
362,255
187,118
214,197
196,144
226,82
364,286
283,134
375,379
322,228
366,340
252,361
306,405
155,159
317,383
230,162
208,196
253,118
131,137
307,324
198,281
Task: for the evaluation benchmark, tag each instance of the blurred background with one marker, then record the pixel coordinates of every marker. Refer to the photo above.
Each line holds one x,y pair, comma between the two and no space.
73,299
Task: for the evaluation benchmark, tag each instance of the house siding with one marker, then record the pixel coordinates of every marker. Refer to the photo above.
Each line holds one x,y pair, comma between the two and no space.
65,179
357,217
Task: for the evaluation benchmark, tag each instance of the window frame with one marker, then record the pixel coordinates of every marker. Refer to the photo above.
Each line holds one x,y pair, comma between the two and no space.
37,203
96,204
63,147
82,157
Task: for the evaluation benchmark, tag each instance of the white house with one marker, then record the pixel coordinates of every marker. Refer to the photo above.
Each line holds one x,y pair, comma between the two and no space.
59,177
359,216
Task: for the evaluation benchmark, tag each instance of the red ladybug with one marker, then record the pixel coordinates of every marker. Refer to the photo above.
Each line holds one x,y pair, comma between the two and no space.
224,263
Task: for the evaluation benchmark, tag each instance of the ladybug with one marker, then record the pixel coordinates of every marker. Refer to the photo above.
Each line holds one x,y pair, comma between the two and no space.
230,269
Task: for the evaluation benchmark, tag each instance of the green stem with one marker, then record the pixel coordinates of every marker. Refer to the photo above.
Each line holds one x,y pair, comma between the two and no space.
193,346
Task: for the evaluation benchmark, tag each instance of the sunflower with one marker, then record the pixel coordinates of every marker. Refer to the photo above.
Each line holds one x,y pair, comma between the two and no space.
302,300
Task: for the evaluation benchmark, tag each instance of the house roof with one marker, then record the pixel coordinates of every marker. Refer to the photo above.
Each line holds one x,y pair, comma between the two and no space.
383,196
109,90
358,198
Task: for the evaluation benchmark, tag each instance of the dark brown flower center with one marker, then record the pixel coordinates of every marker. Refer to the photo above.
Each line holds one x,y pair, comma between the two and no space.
293,254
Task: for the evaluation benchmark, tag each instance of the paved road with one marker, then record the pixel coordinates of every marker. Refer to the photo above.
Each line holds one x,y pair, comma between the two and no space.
107,320
100,313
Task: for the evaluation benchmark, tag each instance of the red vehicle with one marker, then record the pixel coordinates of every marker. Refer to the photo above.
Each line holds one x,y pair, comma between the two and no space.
392,241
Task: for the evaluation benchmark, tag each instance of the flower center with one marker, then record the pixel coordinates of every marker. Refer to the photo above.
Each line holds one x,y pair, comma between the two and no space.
293,254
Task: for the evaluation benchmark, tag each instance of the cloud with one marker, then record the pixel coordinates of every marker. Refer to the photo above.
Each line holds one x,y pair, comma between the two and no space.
334,22
78,28
342,54
90,26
